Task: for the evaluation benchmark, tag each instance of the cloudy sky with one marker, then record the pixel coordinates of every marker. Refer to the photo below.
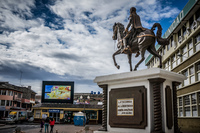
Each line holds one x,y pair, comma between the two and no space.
70,40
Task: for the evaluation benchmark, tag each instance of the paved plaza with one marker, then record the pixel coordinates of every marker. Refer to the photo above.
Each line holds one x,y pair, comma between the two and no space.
62,128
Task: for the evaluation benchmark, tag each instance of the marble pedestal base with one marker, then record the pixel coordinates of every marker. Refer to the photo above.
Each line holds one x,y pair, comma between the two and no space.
140,101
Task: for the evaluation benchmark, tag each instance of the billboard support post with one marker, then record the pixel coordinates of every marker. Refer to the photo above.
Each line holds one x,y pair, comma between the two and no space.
81,97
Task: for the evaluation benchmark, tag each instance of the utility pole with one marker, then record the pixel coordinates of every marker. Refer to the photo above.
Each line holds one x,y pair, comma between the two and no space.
21,77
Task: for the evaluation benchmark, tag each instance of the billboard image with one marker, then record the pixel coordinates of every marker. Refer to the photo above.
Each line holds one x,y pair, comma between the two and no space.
57,91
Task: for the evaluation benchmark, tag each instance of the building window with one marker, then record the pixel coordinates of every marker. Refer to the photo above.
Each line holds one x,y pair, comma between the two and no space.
191,74
172,41
8,93
3,92
184,31
2,102
167,65
194,98
190,45
23,105
197,42
173,61
37,113
168,46
180,112
179,33
7,103
32,96
198,71
188,105
194,111
19,95
197,47
197,13
187,111
18,104
178,61
191,20
180,106
185,73
187,50
184,53
187,100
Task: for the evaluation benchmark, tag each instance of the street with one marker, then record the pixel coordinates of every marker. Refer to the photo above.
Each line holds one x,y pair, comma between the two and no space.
62,128
23,128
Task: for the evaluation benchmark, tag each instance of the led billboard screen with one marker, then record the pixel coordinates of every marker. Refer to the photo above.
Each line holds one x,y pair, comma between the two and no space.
57,91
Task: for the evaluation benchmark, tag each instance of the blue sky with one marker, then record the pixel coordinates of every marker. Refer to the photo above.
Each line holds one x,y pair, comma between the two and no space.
65,40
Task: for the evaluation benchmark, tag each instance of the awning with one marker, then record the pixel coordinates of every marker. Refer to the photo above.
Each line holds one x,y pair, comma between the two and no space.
2,108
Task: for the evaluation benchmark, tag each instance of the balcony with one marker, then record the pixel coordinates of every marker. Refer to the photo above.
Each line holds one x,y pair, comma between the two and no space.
25,100
32,100
16,98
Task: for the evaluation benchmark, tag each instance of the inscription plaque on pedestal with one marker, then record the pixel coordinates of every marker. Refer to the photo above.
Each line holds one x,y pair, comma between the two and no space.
128,107
125,107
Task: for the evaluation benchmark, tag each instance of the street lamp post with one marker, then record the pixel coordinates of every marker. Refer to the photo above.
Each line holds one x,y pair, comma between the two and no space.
81,97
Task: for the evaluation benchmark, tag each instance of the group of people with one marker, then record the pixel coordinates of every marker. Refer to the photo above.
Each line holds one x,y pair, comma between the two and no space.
45,123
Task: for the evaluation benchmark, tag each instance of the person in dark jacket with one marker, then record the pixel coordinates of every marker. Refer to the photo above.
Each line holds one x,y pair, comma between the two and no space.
46,125
41,125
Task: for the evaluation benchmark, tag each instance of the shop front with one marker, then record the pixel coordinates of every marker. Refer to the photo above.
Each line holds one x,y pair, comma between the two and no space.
66,115
91,116
55,113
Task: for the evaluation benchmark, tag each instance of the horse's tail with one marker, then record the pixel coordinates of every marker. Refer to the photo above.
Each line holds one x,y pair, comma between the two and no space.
160,40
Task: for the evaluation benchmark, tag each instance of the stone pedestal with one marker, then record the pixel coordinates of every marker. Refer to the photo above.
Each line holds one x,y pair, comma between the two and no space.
141,101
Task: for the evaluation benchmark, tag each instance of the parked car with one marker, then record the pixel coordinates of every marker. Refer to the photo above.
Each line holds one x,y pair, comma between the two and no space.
31,119
16,116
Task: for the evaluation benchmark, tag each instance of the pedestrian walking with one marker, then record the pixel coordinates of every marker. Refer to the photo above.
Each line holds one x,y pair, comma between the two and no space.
52,122
41,125
46,125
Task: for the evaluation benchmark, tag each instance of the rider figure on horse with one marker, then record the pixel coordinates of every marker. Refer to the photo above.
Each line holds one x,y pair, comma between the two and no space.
136,28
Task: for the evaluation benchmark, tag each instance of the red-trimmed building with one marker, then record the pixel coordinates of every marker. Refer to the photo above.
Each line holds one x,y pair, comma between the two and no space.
15,98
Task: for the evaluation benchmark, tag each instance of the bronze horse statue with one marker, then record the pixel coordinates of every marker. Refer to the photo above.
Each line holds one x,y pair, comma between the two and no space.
144,41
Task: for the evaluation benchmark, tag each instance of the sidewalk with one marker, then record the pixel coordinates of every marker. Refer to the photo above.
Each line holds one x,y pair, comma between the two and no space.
3,126
64,128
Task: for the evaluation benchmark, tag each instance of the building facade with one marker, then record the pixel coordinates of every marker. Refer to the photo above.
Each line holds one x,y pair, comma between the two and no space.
15,98
64,112
89,98
182,56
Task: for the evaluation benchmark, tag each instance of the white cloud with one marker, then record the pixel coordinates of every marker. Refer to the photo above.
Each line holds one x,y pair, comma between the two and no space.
13,14
81,54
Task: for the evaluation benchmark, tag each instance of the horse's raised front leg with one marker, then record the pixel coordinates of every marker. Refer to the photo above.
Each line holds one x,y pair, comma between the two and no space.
129,61
116,53
141,60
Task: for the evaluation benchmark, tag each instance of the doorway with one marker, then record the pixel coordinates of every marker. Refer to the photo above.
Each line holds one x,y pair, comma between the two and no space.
56,116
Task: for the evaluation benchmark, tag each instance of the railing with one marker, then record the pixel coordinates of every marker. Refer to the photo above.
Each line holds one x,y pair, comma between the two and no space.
15,98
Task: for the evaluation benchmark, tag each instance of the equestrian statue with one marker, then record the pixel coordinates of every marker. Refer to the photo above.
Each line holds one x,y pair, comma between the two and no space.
137,40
